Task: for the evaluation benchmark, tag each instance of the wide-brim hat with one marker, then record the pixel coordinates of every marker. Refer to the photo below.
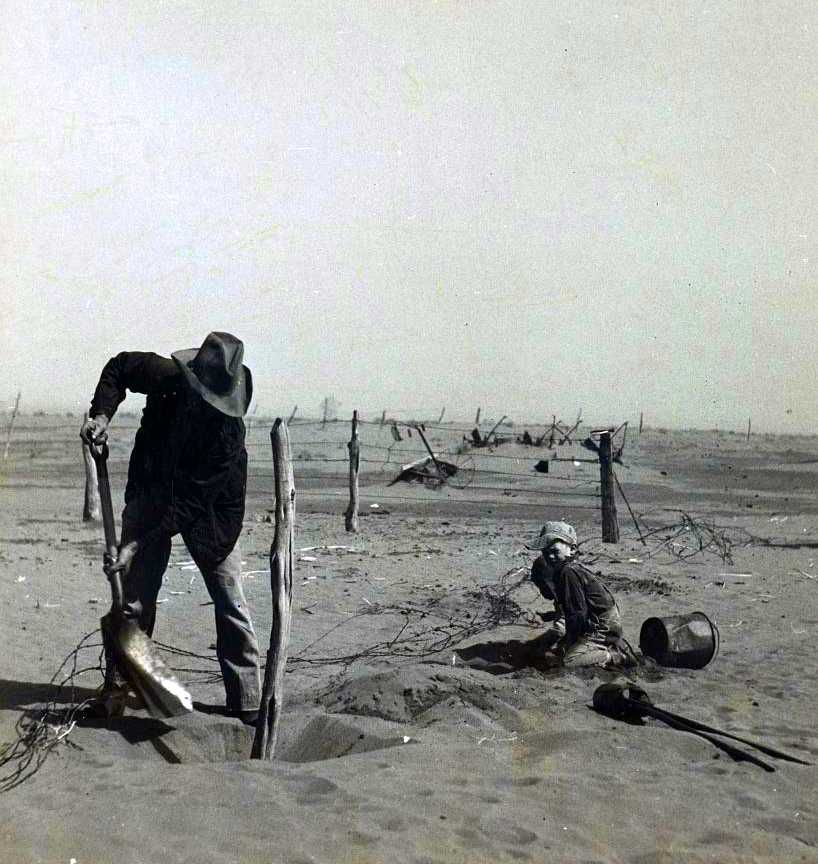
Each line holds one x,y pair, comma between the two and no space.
215,371
552,532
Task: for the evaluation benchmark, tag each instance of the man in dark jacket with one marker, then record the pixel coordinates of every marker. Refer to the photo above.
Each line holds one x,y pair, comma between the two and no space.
187,475
588,629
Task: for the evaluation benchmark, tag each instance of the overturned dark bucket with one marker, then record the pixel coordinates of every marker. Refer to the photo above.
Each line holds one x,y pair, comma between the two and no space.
680,641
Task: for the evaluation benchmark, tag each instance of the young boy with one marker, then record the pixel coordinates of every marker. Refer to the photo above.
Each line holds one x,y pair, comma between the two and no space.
588,631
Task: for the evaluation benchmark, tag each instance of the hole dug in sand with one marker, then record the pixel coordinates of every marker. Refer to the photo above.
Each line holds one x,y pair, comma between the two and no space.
201,738
328,736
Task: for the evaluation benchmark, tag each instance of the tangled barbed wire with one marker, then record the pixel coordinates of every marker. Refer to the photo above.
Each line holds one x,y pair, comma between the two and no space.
685,538
40,730
431,626
691,536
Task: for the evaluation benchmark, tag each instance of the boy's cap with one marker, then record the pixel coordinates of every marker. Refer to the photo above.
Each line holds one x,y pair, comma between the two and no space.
552,532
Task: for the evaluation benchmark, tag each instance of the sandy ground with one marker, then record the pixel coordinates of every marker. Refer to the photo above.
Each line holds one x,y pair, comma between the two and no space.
402,757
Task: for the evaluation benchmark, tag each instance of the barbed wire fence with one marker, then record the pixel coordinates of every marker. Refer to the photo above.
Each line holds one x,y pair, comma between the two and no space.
387,447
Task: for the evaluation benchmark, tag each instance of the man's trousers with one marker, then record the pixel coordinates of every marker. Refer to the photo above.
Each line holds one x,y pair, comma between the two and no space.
236,644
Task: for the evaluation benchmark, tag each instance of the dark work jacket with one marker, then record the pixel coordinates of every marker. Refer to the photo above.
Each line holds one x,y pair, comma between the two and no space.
188,467
581,596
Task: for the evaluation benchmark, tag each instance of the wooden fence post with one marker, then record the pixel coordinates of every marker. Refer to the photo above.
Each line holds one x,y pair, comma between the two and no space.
351,516
11,424
749,420
91,511
610,525
440,419
477,418
326,405
383,417
281,581
292,416
641,418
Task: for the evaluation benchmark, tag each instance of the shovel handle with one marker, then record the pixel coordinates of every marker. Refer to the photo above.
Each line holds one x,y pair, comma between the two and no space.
701,727
100,455
676,722
99,452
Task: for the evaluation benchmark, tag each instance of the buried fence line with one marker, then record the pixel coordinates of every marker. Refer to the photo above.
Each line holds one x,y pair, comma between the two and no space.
578,482
311,442
439,454
532,475
417,451
510,490
532,488
317,475
486,501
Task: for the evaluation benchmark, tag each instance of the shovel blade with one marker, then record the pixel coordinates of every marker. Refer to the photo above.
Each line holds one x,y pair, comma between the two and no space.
139,663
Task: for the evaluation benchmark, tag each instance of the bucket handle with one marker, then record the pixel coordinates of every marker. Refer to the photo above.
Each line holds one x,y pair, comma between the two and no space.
716,638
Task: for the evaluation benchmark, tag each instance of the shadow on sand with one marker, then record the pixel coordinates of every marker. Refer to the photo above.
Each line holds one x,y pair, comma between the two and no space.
501,658
48,703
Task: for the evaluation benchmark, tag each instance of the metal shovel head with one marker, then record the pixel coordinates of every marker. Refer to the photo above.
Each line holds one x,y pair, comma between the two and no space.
140,664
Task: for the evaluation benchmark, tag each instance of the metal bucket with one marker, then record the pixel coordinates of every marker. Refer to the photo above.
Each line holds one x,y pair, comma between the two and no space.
680,641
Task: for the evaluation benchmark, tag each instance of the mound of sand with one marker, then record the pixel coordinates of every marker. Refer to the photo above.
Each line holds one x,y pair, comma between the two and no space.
423,693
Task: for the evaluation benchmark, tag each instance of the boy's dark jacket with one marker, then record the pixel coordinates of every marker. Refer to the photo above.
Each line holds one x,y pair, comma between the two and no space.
581,596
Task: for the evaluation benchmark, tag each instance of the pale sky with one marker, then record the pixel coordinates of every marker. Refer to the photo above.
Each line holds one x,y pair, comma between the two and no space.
526,206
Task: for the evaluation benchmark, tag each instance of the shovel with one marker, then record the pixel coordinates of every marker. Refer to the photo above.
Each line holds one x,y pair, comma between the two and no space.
611,700
131,650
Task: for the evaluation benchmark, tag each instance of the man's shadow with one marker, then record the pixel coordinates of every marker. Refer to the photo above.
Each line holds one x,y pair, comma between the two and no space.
20,695
39,701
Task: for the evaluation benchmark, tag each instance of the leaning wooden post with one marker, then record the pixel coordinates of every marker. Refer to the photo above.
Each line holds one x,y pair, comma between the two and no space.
91,511
292,415
351,516
495,428
440,419
633,515
440,472
610,525
281,581
477,418
11,424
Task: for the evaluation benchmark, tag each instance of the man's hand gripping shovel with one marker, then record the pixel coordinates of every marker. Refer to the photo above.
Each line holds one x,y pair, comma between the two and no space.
128,648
